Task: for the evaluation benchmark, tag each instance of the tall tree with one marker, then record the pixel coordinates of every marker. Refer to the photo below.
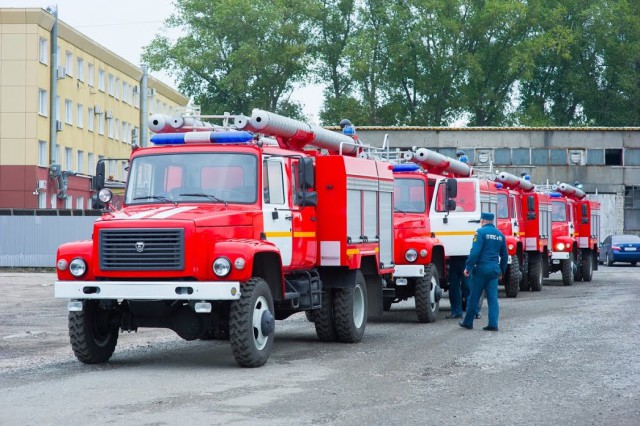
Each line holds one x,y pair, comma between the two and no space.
235,55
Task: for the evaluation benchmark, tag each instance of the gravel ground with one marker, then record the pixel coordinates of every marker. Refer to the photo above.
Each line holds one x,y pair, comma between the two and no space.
566,355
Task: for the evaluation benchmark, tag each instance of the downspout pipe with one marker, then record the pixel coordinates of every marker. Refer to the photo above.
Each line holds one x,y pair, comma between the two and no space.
144,104
53,74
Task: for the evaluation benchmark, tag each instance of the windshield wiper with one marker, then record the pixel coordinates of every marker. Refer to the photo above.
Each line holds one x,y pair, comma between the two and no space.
202,194
395,209
156,197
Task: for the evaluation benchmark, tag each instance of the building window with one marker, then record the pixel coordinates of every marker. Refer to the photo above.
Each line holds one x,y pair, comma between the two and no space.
80,66
57,116
68,202
91,165
558,157
42,153
80,117
58,157
539,157
124,170
90,74
69,63
54,201
101,124
117,130
117,89
111,86
110,127
125,136
613,157
68,111
632,157
101,80
80,203
520,157
43,51
502,156
42,200
42,102
595,157
90,119
68,158
112,170
80,162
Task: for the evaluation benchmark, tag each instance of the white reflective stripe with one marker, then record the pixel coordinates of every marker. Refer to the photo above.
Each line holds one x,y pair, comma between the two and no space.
168,213
562,255
583,242
408,271
148,290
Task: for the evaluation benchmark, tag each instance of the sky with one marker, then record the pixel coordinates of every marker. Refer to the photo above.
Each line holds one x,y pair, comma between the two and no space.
125,26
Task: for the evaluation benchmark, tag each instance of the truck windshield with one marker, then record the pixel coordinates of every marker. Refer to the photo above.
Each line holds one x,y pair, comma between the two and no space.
558,211
409,195
194,177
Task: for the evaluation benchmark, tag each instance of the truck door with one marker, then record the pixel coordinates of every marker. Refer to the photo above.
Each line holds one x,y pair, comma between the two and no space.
276,210
456,227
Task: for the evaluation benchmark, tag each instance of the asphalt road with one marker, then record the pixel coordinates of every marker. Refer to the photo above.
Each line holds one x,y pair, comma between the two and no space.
566,355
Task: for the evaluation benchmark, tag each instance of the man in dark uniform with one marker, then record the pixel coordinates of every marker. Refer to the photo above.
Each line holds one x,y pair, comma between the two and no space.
486,263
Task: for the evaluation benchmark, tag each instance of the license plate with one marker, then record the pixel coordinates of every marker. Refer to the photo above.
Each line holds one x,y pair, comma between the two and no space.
401,281
556,261
629,249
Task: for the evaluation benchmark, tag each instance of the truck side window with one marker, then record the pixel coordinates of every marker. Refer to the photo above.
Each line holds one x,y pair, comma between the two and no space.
273,182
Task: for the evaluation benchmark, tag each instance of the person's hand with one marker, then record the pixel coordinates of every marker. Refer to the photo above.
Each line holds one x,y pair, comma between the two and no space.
466,273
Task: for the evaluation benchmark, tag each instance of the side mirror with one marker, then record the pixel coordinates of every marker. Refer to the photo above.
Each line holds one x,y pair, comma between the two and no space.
452,188
99,180
307,199
306,173
451,205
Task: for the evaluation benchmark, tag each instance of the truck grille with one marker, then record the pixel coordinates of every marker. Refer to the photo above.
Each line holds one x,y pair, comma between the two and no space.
141,249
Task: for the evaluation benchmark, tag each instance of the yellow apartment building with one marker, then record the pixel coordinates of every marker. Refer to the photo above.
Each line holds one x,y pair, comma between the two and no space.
97,110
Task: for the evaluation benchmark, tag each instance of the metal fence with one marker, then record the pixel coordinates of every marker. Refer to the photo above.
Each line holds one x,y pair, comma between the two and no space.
30,238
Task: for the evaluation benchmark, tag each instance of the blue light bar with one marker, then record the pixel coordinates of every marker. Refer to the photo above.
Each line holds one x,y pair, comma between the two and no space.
406,167
499,185
555,195
202,137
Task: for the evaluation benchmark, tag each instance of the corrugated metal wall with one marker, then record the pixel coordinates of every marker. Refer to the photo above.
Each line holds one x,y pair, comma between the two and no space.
32,241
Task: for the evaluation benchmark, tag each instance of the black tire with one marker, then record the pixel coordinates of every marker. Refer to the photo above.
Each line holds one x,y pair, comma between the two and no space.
608,261
310,315
427,306
535,272
587,265
93,333
350,310
566,267
524,268
514,278
250,346
577,276
634,263
324,320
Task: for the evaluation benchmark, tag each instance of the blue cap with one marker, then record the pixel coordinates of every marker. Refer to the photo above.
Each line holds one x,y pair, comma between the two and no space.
487,216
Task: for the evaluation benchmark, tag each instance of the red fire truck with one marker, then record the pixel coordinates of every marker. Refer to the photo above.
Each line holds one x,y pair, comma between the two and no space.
586,225
534,229
226,228
564,243
508,221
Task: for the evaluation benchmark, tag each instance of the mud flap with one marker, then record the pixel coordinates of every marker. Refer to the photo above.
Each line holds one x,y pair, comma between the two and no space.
374,296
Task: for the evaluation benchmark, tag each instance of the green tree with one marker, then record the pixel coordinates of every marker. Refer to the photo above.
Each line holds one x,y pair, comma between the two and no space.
235,55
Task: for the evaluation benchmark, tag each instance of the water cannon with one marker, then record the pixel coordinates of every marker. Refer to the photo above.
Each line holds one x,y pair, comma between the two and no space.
160,123
513,181
295,134
571,191
438,163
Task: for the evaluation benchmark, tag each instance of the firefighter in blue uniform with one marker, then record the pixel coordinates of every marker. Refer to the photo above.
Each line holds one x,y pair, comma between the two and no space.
486,263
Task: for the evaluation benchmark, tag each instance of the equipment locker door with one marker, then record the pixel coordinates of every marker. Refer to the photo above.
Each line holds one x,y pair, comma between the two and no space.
276,209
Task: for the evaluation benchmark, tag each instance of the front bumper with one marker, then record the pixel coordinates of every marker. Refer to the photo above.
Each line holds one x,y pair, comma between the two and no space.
409,271
560,255
148,290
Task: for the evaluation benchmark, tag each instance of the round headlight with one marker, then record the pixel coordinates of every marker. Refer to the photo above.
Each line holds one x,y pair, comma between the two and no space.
105,195
62,265
560,246
77,267
411,255
239,263
221,266
510,246
423,253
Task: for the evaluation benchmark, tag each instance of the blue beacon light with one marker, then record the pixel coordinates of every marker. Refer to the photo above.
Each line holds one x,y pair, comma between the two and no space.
499,185
405,167
200,137
555,195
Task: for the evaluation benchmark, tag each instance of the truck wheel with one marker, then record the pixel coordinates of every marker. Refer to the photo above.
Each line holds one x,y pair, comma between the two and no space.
587,265
535,272
252,324
324,320
93,333
513,278
578,275
350,310
427,305
524,268
566,268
